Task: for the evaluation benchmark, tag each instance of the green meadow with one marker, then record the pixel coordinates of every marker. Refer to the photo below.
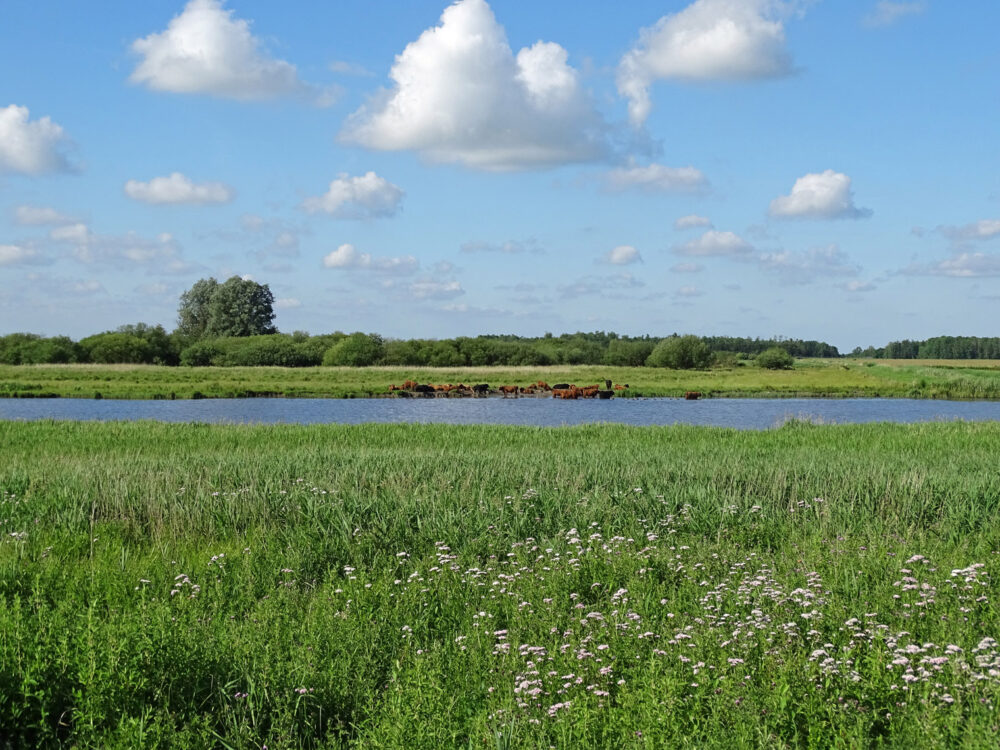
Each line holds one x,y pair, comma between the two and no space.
427,586
970,379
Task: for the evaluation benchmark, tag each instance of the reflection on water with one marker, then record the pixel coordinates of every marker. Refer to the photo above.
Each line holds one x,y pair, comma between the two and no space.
742,413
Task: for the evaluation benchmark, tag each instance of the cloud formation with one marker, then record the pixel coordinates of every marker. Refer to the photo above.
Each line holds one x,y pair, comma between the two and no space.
715,243
366,197
979,230
959,266
608,287
461,95
887,12
205,50
823,195
692,221
17,255
36,216
176,189
622,255
347,257
31,147
708,40
656,178
160,254
806,267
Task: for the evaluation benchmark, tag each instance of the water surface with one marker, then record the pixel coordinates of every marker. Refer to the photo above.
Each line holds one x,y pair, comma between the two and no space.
742,413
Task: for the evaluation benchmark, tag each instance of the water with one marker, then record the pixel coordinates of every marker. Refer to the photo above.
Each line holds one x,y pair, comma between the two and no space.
742,413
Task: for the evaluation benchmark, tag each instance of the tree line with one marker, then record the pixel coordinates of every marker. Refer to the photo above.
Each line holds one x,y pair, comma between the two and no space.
231,324
938,347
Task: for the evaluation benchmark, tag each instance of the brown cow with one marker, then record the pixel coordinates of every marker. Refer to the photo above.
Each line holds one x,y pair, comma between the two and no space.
508,390
621,387
543,385
409,385
692,395
589,391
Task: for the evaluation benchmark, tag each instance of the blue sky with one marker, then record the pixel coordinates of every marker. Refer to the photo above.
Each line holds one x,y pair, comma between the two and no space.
811,169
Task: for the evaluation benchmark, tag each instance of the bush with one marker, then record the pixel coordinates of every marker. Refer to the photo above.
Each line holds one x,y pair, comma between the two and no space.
117,348
357,350
775,358
681,353
202,354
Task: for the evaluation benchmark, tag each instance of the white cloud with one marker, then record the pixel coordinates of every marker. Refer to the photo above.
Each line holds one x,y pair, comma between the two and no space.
460,95
978,230
805,267
177,188
17,255
687,268
609,287
510,247
431,289
857,286
715,243
708,40
205,50
35,216
887,12
656,178
365,197
960,266
623,255
287,303
348,258
158,254
688,291
31,148
692,221
823,195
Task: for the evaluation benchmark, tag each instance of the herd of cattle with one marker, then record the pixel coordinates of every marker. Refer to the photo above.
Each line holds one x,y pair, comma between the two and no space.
559,390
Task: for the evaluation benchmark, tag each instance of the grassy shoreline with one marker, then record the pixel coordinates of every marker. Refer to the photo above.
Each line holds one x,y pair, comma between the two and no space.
826,378
433,586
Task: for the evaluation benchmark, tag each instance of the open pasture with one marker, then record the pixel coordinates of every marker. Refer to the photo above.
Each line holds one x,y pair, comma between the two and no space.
811,377
429,586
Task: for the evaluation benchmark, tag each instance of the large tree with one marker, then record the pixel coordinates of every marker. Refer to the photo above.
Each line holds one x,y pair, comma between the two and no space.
237,307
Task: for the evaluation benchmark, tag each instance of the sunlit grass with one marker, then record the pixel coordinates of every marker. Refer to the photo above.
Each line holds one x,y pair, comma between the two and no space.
433,586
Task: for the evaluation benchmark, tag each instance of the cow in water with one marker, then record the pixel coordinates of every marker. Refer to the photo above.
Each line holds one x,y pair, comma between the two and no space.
508,390
561,386
481,389
692,395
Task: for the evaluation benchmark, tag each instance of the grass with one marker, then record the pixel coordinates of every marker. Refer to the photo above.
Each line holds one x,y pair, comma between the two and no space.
431,586
836,378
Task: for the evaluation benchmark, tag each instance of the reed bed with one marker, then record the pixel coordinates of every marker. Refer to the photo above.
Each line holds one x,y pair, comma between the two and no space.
443,586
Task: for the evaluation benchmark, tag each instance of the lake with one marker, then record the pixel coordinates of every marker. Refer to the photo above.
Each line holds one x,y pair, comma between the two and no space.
742,413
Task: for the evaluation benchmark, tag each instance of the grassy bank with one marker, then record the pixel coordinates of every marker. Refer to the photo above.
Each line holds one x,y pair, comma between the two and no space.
428,586
838,378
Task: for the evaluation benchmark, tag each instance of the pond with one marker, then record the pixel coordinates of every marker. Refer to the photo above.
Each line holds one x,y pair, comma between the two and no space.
742,413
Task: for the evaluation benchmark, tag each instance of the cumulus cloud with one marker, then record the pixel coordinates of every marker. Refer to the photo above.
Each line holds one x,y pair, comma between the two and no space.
687,268
461,95
366,197
692,221
959,266
205,50
715,243
979,230
510,247
708,40
823,195
656,178
622,255
806,267
18,255
159,254
347,257
887,12
35,216
176,188
31,147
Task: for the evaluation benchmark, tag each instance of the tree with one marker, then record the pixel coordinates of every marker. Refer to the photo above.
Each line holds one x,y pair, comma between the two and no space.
357,350
681,353
237,307
775,358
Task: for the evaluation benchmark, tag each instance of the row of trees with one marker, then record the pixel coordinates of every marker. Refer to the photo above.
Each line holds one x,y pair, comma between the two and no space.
232,324
938,347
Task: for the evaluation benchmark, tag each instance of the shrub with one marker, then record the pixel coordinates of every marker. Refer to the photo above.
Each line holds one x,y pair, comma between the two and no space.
681,353
775,358
357,350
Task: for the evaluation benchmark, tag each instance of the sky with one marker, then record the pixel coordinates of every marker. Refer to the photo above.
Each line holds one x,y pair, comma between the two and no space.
800,168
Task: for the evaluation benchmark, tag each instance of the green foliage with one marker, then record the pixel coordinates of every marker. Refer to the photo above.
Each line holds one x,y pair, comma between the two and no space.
624,353
388,585
356,350
32,349
775,358
237,307
117,348
681,353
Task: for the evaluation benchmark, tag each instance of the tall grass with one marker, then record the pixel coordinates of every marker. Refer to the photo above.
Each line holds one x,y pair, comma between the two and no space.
432,586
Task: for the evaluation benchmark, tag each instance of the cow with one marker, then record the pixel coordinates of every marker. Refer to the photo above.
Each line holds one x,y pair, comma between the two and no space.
508,390
543,385
572,392
589,391
409,385
419,388
561,386
692,395
607,384
481,389
621,387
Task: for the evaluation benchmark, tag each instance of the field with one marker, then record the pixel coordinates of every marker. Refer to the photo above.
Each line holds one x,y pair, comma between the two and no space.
969,379
495,587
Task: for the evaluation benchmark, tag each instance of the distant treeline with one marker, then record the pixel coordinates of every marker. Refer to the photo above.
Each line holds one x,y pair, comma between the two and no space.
146,344
939,347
